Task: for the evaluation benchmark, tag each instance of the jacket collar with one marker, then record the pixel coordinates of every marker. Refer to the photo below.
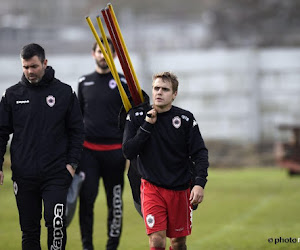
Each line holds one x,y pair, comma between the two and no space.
46,80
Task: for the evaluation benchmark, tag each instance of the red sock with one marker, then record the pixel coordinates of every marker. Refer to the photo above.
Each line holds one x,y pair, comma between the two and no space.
157,248
170,248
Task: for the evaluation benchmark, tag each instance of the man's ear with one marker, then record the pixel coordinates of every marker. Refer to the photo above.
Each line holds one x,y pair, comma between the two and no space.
174,95
93,53
45,63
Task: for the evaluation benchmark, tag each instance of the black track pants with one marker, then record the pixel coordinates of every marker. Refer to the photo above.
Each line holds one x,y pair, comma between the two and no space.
30,195
109,165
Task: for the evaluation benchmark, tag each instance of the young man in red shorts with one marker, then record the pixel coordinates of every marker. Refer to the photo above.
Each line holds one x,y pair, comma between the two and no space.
165,140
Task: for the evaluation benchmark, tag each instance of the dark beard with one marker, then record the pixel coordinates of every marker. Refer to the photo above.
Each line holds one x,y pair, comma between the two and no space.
101,65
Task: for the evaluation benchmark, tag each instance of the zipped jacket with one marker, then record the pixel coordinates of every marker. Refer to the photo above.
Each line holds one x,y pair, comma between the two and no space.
46,123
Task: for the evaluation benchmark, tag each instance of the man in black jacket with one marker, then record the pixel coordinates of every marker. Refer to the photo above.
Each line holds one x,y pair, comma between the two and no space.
44,117
165,139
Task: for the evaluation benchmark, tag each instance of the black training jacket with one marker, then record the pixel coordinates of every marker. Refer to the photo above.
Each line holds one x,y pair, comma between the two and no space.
46,124
164,150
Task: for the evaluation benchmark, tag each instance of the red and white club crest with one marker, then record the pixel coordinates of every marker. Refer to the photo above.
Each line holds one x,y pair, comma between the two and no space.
50,99
150,220
176,121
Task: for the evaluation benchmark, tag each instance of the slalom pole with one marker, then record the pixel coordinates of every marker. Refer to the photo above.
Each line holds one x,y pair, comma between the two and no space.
88,19
111,66
105,41
121,55
126,51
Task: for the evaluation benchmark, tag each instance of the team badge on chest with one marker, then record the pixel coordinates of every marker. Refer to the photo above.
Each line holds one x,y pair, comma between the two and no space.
112,84
176,121
50,100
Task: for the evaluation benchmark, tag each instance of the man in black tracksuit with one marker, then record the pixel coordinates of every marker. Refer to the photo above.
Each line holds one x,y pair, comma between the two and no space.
102,157
44,117
165,139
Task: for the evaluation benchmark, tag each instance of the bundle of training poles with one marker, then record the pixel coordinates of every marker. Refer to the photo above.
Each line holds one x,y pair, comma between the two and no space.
122,53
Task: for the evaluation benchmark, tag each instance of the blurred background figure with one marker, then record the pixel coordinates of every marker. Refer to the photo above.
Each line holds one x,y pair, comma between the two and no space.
102,156
287,151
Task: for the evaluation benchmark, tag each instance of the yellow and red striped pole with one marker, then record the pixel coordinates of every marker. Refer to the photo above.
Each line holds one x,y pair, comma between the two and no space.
125,50
121,55
111,65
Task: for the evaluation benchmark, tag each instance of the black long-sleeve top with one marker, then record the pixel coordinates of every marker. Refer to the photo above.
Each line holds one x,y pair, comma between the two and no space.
46,124
164,149
100,104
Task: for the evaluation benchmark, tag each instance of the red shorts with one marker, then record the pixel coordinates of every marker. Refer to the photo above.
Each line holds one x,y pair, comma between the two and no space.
166,210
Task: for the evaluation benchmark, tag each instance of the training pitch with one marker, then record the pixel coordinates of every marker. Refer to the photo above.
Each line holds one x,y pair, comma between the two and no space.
247,208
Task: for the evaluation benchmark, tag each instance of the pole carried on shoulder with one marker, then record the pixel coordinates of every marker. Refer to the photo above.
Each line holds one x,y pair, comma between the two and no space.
110,64
122,53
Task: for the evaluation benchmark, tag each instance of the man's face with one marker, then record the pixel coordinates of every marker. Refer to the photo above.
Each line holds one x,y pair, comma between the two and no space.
99,58
162,93
34,69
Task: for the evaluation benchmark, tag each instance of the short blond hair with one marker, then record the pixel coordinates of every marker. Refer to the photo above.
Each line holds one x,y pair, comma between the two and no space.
168,76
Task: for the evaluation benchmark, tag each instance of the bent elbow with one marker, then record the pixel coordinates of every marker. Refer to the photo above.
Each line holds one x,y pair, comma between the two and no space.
126,152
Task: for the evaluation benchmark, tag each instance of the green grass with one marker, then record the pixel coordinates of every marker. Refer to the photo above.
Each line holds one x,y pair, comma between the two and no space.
242,209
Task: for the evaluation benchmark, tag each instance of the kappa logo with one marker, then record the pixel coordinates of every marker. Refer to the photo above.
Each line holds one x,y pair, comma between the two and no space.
150,220
88,83
185,118
139,113
195,123
58,234
81,79
115,227
176,121
50,100
128,117
15,188
191,216
122,79
112,84
22,102
3,94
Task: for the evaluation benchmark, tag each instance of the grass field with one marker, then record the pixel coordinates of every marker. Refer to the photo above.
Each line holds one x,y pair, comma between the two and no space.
242,209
